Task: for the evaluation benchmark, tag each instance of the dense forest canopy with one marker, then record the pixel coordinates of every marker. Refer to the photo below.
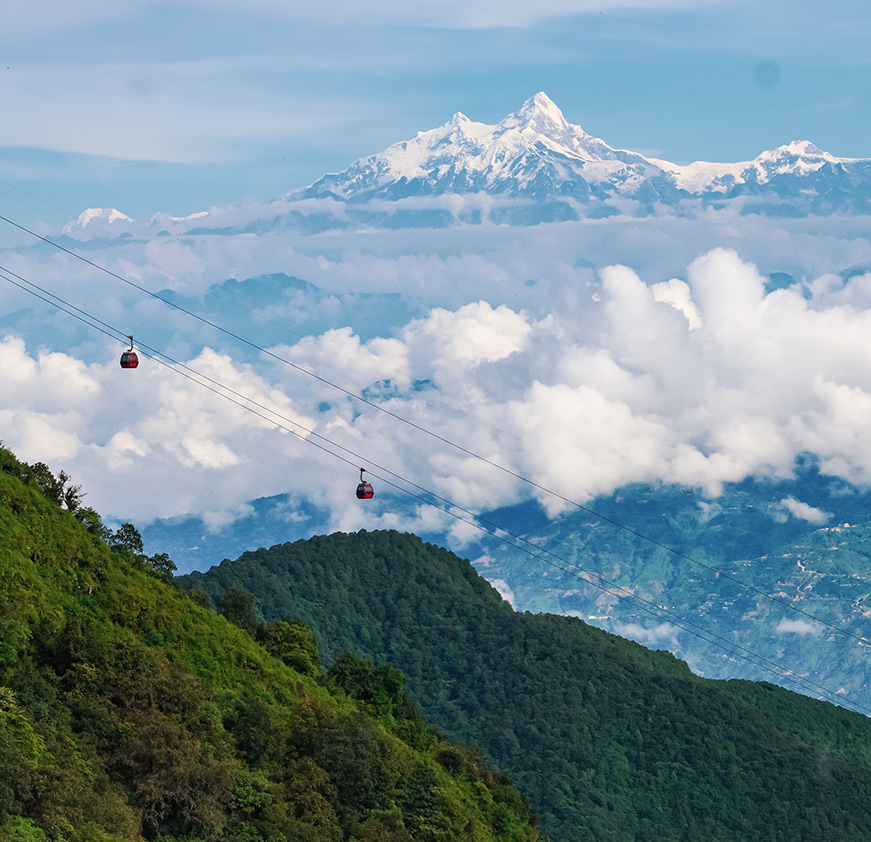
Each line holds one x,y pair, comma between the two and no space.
609,740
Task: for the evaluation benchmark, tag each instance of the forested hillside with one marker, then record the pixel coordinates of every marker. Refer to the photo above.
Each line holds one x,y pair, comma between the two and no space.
130,711
609,740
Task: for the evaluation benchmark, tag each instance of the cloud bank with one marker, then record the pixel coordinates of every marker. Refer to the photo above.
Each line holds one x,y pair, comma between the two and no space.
699,380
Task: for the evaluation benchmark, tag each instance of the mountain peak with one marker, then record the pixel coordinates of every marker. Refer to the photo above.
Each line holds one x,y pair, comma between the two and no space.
803,147
97,216
541,103
800,157
106,215
539,113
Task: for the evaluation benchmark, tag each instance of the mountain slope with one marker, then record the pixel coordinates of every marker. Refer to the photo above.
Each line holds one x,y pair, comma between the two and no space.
129,711
608,739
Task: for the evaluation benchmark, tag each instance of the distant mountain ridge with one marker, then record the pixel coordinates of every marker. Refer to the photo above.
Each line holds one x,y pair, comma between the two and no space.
535,152
532,167
748,532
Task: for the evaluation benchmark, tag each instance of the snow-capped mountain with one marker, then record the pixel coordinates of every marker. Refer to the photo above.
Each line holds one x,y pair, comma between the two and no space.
109,219
800,158
536,153
532,167
533,152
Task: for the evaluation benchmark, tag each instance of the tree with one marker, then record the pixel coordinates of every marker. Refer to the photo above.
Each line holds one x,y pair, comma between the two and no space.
92,521
294,644
161,564
57,488
200,597
379,687
72,494
127,537
237,605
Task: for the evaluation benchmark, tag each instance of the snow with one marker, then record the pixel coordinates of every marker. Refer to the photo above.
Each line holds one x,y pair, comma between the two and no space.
96,217
104,215
799,157
532,152
536,137
702,175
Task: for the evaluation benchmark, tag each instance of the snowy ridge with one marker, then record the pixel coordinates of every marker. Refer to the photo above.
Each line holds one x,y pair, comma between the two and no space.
531,150
96,217
799,158
535,152
531,167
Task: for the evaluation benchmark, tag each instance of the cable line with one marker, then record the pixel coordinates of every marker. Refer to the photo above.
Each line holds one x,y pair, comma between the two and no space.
469,517
459,447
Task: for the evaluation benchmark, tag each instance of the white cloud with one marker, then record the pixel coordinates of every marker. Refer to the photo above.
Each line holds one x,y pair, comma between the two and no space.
191,112
648,635
800,627
37,437
504,590
677,293
53,15
46,380
145,442
804,512
582,381
122,451
474,334
43,15
216,521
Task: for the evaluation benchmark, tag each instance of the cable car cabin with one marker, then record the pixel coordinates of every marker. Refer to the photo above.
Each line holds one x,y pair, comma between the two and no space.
364,489
129,358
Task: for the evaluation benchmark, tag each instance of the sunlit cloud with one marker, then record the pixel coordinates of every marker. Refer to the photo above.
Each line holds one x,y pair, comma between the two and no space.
704,380
803,511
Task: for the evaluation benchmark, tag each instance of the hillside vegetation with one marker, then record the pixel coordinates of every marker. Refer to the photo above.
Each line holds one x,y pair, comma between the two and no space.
129,711
609,740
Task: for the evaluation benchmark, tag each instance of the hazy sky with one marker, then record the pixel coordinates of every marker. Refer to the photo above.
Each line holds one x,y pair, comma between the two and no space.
178,106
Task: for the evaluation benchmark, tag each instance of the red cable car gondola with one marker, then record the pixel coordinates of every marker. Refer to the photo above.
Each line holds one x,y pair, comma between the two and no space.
129,358
364,489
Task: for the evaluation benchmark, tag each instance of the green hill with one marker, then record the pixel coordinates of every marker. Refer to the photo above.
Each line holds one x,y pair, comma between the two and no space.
609,740
129,711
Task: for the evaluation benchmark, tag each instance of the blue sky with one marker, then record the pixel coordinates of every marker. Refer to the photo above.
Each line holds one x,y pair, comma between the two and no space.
179,106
